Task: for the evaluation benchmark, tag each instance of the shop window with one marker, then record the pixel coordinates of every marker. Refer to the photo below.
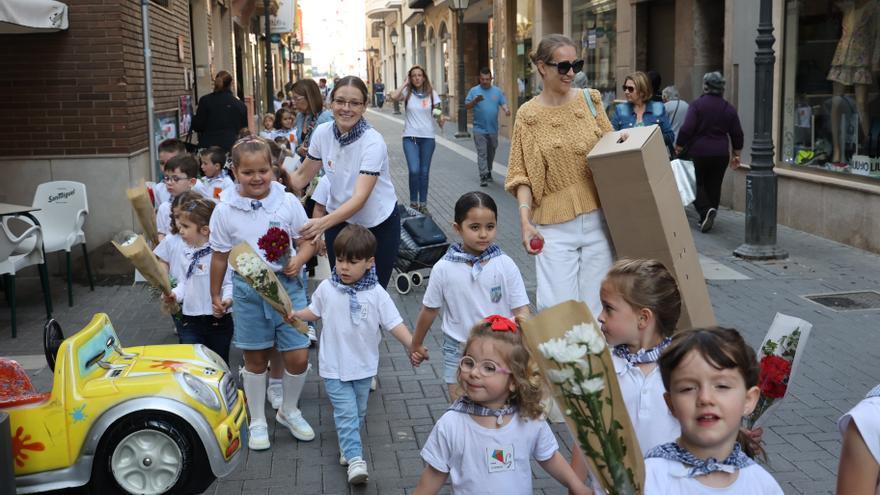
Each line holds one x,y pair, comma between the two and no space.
594,31
526,78
831,112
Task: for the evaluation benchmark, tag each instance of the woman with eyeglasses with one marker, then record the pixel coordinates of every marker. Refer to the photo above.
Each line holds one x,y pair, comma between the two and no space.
640,110
310,112
354,158
562,223
421,107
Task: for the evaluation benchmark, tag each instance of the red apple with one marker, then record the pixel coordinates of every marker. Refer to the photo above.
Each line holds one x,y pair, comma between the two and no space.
536,243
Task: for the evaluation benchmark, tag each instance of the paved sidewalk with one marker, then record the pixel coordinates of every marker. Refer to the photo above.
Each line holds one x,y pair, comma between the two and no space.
839,366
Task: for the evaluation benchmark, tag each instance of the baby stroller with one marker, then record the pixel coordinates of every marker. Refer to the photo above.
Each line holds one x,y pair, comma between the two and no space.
422,244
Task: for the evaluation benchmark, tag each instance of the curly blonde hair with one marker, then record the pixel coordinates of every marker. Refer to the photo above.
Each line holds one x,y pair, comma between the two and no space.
528,385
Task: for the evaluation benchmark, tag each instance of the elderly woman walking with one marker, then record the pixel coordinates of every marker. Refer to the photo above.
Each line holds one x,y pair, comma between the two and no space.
711,129
562,223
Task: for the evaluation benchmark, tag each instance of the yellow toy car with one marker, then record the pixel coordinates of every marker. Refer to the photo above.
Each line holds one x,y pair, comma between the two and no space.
144,420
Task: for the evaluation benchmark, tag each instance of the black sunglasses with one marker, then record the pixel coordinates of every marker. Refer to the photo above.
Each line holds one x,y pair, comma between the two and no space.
628,89
566,65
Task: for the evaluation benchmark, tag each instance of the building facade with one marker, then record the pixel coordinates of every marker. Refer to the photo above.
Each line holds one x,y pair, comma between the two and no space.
826,96
75,100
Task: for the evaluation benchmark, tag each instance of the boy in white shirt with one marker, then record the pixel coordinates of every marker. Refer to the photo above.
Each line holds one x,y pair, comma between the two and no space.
181,172
216,180
354,308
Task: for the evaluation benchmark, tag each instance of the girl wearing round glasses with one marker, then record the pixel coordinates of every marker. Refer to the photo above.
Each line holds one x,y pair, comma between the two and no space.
562,223
354,159
639,110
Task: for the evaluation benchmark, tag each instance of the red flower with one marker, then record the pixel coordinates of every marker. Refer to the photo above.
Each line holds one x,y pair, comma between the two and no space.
275,243
773,376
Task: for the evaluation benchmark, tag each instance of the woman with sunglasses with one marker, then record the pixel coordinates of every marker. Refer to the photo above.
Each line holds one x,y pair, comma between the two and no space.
640,110
562,224
421,106
309,105
354,159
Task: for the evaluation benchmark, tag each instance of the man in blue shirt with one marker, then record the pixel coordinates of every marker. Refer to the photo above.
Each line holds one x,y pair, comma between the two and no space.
485,99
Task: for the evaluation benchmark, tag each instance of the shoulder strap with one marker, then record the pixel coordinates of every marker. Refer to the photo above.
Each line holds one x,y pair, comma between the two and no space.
590,102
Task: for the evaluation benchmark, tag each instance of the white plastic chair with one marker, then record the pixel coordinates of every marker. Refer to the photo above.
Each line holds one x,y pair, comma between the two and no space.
63,210
30,246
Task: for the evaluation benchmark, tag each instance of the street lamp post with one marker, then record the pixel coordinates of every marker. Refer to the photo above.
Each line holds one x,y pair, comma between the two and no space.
394,39
761,179
459,6
270,87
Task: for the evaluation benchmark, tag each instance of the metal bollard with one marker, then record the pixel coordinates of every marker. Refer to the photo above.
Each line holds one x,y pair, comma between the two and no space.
7,475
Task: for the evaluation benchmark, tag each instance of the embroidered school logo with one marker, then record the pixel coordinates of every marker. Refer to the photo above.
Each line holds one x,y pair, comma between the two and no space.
500,458
495,294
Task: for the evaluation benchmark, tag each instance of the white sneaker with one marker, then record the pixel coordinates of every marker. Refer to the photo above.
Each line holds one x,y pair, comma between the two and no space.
373,384
275,394
297,424
357,471
342,460
313,335
258,436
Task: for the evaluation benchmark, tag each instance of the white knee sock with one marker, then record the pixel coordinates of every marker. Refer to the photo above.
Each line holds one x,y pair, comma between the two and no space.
254,385
293,386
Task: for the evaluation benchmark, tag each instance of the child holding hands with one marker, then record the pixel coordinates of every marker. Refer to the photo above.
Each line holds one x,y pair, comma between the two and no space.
474,279
485,441
354,308
246,213
200,324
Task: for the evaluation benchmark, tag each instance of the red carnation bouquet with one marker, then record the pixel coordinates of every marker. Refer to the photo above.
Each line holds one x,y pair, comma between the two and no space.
780,354
275,244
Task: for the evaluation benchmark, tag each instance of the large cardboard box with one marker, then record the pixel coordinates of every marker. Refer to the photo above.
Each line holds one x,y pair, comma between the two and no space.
644,213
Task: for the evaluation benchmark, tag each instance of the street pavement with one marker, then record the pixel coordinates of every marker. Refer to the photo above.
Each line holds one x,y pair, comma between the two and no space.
839,366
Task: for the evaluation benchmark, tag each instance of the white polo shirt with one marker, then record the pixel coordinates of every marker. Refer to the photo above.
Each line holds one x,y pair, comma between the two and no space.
195,292
663,476
168,250
488,460
648,412
344,164
348,351
163,218
866,415
235,220
214,186
464,301
321,194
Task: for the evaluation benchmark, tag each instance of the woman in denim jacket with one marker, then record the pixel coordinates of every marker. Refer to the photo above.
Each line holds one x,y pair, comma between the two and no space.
639,110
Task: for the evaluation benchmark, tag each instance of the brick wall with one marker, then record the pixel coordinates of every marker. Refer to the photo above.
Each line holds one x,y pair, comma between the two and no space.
166,24
81,91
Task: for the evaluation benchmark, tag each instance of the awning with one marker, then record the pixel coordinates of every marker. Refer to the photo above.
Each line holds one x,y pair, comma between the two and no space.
32,16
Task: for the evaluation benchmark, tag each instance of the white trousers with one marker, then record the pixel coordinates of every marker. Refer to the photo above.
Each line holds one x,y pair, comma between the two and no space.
577,254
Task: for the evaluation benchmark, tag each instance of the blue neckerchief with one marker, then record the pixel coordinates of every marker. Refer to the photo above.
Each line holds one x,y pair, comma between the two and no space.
465,405
457,254
674,452
201,253
351,136
368,281
256,204
875,392
643,356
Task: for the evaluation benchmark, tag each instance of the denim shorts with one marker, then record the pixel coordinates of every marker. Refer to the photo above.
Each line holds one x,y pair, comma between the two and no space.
257,325
451,357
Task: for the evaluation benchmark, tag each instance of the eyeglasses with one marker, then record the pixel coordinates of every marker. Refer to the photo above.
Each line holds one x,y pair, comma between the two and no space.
297,98
567,65
354,105
629,89
484,368
174,178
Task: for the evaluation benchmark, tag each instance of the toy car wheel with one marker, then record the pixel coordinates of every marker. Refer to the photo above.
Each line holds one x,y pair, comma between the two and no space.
403,283
416,278
52,339
151,456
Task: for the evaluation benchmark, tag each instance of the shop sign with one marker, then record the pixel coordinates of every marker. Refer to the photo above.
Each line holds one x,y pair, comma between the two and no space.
865,165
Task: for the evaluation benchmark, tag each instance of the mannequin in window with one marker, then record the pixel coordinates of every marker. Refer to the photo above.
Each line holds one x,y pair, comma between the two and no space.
856,59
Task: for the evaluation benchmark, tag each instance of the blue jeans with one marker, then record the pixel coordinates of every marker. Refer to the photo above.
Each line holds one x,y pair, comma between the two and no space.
349,401
418,152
